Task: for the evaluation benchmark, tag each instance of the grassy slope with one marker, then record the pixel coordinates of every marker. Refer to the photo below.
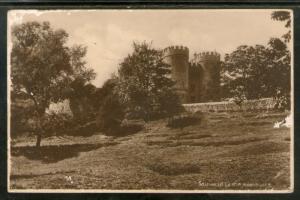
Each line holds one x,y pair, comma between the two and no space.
225,151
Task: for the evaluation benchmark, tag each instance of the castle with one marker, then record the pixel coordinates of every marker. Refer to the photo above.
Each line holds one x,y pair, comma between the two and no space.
198,79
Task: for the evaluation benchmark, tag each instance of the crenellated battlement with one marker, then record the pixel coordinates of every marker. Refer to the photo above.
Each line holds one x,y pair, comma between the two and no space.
194,68
194,64
211,55
171,50
197,79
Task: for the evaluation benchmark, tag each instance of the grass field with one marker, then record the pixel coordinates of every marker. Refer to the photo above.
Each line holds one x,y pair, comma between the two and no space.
224,151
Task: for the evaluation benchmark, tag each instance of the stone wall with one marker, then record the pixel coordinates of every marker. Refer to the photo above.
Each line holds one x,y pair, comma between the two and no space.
225,106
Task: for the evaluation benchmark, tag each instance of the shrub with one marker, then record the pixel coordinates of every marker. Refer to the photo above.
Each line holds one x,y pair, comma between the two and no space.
184,121
21,116
86,129
110,115
126,127
132,126
239,95
54,123
282,103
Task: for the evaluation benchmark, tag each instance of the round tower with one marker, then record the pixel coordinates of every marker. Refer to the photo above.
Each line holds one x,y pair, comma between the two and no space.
178,58
195,78
210,83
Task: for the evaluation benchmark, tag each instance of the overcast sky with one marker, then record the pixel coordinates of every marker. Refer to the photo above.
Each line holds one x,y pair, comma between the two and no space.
108,34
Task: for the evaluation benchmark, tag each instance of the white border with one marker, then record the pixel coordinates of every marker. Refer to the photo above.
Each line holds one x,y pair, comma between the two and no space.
9,48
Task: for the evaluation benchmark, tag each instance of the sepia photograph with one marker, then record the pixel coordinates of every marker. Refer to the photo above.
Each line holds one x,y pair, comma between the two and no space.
155,101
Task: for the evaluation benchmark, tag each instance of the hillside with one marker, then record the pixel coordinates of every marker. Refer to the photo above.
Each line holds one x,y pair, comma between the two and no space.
224,151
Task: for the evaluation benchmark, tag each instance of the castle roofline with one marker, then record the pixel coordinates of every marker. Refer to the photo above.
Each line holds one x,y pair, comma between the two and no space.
207,53
194,64
176,49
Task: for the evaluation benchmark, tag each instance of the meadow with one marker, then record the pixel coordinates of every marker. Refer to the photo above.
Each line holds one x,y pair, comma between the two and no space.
222,151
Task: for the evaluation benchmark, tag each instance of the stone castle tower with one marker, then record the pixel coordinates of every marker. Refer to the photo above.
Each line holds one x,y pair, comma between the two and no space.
198,79
178,58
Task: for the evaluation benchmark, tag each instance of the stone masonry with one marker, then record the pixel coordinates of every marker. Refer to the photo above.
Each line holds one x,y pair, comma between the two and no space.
198,79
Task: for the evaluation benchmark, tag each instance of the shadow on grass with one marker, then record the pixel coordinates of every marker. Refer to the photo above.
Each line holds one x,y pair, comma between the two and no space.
254,123
189,135
183,121
55,153
124,131
216,143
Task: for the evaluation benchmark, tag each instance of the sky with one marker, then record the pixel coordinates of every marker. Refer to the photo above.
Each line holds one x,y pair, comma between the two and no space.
108,34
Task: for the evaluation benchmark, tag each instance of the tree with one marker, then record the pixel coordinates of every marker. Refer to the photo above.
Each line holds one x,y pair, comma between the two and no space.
110,110
279,77
285,17
43,66
81,90
81,96
169,103
111,113
247,66
283,91
144,85
258,71
101,93
279,70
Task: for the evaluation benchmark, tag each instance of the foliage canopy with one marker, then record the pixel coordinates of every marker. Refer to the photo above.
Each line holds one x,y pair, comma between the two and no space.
145,86
43,66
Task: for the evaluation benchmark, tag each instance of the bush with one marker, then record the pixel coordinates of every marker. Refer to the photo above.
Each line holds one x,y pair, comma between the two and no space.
239,95
132,126
184,121
282,103
127,127
110,115
86,129
60,123
21,117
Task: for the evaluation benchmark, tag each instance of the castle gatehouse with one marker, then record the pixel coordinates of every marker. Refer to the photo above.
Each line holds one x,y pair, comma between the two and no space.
197,79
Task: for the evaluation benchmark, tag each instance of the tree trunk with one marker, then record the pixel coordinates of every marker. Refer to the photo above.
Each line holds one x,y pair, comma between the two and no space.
39,115
38,140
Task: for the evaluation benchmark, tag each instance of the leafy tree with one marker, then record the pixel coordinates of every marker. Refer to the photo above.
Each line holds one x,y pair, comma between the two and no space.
111,113
279,78
258,71
144,85
247,65
279,68
110,110
283,91
169,103
81,96
81,90
43,66
101,93
80,74
285,17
